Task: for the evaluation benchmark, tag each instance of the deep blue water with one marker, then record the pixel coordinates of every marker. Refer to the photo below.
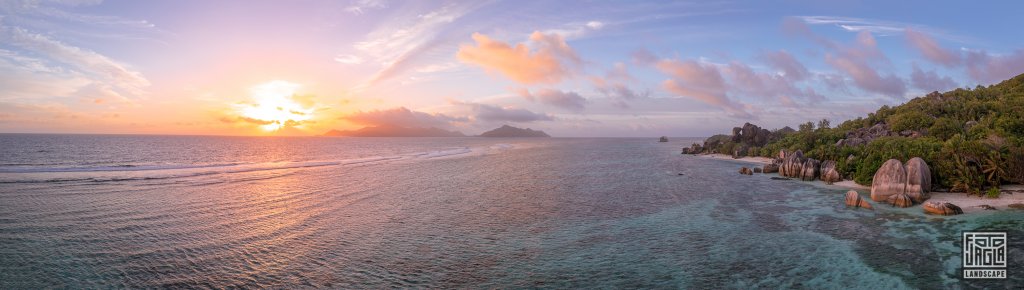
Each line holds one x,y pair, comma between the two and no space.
84,211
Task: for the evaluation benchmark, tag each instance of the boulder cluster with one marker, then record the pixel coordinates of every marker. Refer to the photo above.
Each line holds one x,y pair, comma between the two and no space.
902,185
751,134
853,199
863,136
693,149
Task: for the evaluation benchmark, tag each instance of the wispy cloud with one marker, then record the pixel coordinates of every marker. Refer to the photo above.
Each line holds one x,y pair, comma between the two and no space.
363,6
878,27
398,47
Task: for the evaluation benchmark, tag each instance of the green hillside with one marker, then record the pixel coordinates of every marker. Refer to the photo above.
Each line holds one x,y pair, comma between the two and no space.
972,138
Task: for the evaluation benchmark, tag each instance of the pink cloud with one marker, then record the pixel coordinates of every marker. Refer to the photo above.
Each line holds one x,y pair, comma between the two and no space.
930,80
931,49
701,82
551,62
867,78
785,62
987,68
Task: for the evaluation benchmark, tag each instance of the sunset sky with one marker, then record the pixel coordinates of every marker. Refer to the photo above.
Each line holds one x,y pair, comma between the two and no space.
571,68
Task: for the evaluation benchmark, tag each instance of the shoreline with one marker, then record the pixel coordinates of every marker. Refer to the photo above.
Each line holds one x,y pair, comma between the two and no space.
1011,194
755,160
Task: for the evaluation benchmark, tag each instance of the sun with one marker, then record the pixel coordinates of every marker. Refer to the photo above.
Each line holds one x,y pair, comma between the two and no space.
275,106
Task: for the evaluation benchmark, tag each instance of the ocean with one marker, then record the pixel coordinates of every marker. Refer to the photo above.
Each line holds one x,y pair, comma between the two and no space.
99,211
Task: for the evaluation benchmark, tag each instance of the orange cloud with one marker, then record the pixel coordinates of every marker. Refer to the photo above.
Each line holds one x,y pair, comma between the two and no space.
550,63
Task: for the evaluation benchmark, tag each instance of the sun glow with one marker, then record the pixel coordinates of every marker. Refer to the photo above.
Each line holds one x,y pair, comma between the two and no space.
275,106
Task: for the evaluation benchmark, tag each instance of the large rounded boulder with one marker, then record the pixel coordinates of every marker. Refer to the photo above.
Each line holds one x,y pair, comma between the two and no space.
771,168
919,180
889,180
941,208
901,200
793,165
809,172
829,174
853,199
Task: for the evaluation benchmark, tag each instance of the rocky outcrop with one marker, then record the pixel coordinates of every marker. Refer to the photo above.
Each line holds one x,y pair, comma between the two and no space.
863,136
746,171
771,168
889,180
793,165
829,174
941,208
900,200
782,154
902,185
751,134
693,149
919,180
853,199
809,172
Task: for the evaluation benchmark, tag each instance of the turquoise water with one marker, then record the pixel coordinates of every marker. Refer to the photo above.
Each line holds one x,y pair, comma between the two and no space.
157,211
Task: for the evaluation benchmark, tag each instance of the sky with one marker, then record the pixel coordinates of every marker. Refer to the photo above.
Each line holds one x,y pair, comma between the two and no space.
570,68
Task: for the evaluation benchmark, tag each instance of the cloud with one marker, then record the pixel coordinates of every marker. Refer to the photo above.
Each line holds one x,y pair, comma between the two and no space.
362,6
744,80
398,48
931,50
348,59
930,80
855,60
867,78
491,113
577,30
875,26
702,82
988,68
781,60
402,117
565,100
36,66
551,62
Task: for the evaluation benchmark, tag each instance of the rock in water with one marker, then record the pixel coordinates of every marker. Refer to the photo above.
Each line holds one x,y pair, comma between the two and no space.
810,170
757,169
793,165
853,199
942,208
771,168
901,200
889,180
829,174
746,171
919,180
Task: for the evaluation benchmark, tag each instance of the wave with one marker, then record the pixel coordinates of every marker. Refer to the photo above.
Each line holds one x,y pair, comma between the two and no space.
133,172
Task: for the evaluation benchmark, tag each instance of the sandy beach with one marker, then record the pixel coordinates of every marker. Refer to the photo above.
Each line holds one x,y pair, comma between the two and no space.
756,160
